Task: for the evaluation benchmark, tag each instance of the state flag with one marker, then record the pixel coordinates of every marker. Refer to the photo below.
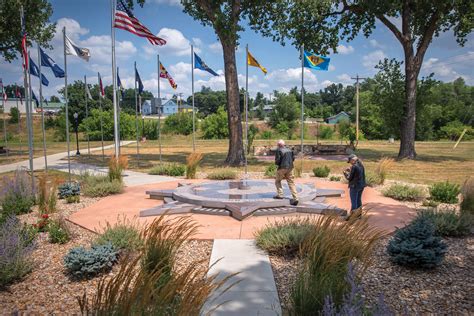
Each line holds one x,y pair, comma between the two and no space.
253,62
139,81
101,87
316,62
73,49
164,74
200,64
47,61
34,70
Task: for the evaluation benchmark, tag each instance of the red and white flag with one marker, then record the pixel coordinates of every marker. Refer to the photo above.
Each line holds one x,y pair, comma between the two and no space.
125,20
101,87
4,95
18,95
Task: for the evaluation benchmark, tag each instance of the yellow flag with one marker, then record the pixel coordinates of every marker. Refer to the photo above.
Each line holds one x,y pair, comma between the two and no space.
253,62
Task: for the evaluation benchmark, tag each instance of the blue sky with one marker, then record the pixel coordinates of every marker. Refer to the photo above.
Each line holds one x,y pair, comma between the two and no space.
88,25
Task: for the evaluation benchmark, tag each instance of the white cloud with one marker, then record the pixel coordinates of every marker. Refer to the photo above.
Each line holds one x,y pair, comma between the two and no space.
345,50
73,29
345,79
169,2
177,44
372,59
197,42
331,67
375,44
285,79
216,47
101,48
451,68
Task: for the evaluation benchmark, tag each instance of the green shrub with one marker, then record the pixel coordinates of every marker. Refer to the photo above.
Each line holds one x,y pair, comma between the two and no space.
69,189
429,203
404,192
100,186
14,115
445,192
123,235
178,123
84,263
253,131
270,171
215,126
16,246
372,179
171,169
325,132
58,232
284,237
447,223
321,172
73,199
268,135
91,125
17,196
222,174
335,178
416,245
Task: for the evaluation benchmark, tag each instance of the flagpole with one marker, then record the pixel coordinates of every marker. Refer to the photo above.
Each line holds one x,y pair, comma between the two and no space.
101,118
19,115
136,116
160,107
42,111
29,114
87,116
192,89
114,79
302,105
119,93
4,120
246,106
66,105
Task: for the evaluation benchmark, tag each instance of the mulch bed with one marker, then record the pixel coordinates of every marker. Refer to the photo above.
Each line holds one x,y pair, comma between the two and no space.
447,289
48,289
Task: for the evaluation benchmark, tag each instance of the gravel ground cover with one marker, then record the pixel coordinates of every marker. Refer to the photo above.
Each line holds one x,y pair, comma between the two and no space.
48,290
446,290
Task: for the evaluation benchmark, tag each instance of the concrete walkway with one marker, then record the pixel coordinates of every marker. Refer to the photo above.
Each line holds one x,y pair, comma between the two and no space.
38,163
255,292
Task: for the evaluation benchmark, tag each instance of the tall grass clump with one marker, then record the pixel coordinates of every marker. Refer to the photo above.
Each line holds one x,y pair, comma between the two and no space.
170,169
123,235
327,252
116,167
284,237
15,249
445,192
467,192
47,197
150,283
298,169
100,186
17,196
192,163
404,192
382,168
270,171
222,174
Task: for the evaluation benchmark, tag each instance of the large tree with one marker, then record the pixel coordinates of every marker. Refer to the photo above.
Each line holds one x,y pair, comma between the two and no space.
322,24
38,28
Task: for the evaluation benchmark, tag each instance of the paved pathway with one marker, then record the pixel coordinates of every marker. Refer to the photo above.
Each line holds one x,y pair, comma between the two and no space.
38,163
255,293
57,162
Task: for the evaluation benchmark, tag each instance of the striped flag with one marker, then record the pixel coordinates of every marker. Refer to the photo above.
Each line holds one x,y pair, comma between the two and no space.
24,44
4,95
101,87
164,74
125,20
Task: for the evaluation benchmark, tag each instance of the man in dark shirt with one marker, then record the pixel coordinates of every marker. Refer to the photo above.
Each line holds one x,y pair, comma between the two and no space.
356,178
284,158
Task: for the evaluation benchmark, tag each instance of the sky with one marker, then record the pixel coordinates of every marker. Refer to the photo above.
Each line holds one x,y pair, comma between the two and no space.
88,24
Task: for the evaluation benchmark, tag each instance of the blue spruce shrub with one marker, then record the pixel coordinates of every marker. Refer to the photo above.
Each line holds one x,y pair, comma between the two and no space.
84,263
416,245
69,189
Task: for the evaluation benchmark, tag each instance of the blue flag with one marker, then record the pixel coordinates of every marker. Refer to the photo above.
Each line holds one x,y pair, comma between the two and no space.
34,96
119,84
314,61
199,64
34,70
139,81
49,62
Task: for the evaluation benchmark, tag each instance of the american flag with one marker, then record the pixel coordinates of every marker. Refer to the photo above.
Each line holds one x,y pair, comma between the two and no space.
125,20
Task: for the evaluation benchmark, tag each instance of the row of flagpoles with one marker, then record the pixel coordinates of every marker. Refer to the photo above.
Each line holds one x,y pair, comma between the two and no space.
123,18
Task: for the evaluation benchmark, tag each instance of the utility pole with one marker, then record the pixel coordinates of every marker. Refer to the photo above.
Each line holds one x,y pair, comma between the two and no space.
357,78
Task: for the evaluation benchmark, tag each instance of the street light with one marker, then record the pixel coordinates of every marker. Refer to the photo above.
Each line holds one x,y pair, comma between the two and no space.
76,127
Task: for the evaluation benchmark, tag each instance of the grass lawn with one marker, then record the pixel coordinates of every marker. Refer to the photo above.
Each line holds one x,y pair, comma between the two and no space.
436,161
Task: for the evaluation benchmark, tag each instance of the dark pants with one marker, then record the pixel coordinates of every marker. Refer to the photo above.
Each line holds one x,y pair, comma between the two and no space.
356,197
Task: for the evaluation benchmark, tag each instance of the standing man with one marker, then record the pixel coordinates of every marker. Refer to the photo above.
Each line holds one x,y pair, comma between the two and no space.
355,175
284,158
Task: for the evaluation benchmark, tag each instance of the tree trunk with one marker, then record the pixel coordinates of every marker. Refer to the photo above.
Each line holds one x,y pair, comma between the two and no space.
235,155
407,127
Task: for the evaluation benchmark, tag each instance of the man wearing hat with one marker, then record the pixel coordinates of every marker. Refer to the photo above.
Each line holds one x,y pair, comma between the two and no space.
355,175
